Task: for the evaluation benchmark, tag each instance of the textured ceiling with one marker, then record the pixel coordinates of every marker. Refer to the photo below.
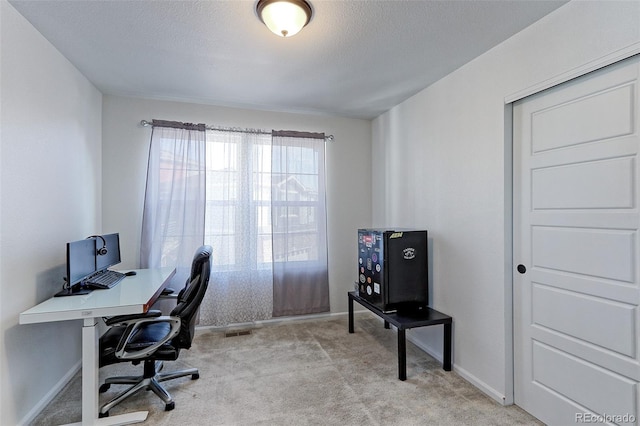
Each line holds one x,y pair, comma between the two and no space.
354,59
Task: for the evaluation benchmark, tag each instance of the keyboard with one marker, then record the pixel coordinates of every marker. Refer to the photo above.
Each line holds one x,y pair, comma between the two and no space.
104,279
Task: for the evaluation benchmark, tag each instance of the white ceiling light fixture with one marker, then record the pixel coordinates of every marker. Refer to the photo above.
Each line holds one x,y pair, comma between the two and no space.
284,17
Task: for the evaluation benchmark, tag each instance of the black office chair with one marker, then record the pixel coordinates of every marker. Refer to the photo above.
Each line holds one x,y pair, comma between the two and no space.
152,338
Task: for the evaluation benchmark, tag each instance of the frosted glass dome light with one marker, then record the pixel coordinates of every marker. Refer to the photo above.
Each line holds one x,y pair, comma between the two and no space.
284,17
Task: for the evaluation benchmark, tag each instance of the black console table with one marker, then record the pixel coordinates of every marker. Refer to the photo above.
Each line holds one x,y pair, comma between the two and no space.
404,322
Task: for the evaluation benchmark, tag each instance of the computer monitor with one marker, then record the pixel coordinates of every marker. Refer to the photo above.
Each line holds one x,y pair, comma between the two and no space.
81,260
112,244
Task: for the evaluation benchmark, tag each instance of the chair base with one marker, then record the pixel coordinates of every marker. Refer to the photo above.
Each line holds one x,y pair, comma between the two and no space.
149,381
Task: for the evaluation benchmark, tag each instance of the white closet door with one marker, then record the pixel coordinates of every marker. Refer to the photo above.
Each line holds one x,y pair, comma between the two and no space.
576,218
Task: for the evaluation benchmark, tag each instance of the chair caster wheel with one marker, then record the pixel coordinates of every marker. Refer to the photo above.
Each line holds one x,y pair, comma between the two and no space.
170,406
105,387
195,376
101,415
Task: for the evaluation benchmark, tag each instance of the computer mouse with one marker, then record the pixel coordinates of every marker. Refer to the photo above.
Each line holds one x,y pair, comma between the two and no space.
130,273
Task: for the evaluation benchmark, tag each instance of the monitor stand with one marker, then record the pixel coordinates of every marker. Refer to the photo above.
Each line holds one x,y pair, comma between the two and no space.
76,290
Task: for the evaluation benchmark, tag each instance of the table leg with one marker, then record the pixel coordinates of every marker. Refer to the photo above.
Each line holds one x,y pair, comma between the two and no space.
402,354
90,379
350,314
89,371
446,348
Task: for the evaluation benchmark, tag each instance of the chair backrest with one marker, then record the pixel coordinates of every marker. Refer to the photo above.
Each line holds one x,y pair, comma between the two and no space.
191,296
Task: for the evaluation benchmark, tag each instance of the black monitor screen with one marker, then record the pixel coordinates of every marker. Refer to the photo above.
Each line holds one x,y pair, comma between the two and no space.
112,244
81,260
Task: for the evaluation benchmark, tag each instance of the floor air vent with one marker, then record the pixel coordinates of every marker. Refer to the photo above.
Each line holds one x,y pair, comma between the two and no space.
237,333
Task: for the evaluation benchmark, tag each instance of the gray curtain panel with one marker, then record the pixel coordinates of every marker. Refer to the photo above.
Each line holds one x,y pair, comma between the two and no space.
299,224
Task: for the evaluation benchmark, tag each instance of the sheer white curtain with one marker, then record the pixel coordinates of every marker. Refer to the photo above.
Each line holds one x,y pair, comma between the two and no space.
299,221
173,218
238,227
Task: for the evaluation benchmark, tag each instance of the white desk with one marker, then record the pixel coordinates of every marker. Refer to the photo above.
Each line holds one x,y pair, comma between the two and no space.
133,295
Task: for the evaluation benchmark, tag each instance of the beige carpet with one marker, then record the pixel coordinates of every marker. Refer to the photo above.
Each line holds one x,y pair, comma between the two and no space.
309,372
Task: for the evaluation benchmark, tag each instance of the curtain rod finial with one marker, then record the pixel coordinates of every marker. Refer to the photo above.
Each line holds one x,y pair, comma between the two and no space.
145,123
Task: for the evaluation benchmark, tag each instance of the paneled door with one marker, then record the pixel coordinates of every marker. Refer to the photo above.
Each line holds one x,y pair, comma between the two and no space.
576,249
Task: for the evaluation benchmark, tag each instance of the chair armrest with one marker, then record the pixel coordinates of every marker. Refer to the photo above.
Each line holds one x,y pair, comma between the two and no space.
132,327
167,291
169,296
124,319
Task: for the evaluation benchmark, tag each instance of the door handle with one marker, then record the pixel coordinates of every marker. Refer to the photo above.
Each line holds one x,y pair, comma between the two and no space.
521,268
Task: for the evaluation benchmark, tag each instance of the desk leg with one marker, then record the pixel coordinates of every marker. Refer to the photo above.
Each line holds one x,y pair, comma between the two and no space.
402,354
89,371
446,348
350,314
90,379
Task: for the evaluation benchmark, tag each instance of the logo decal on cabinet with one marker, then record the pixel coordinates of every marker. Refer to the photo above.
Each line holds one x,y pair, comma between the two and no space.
409,253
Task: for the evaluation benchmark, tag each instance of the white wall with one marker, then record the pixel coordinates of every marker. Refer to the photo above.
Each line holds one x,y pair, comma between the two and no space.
443,163
50,119
125,154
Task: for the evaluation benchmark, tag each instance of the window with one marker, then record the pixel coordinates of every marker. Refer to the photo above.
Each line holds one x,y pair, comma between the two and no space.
243,173
258,200
297,224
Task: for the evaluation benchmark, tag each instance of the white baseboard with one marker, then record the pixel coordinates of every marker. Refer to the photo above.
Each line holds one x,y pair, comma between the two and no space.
485,388
37,409
427,349
488,390
273,321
